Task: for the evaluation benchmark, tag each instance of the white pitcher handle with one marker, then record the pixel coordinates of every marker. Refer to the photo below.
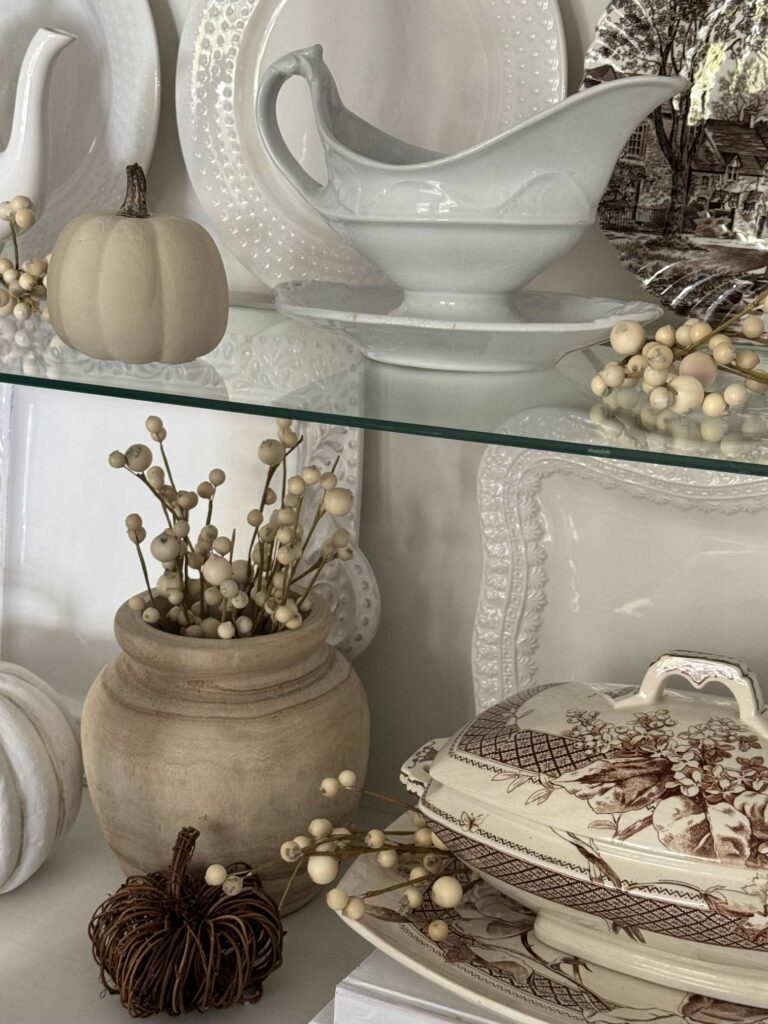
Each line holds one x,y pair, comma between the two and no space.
309,65
700,670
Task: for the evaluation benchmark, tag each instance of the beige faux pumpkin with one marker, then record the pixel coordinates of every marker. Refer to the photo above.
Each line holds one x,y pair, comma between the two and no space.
138,288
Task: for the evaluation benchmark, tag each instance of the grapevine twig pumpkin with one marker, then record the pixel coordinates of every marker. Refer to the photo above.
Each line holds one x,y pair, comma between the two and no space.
169,943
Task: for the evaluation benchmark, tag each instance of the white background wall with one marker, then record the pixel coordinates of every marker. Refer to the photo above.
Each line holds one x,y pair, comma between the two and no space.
420,524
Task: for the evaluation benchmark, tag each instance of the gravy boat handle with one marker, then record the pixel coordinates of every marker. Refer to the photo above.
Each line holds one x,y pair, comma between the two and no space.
272,81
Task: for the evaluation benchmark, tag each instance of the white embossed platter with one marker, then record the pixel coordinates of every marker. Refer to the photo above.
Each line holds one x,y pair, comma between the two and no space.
487,64
103,104
492,958
591,565
551,324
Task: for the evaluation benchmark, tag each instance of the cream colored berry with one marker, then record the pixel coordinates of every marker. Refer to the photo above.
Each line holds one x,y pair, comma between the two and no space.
216,570
423,837
138,458
447,892
165,548
233,885
714,405
724,353
375,839
25,219
700,365
627,337
700,331
355,909
438,931
747,360
322,868
216,874
688,394
752,326
736,395
290,852
271,452
320,828
336,899
329,787
414,897
348,779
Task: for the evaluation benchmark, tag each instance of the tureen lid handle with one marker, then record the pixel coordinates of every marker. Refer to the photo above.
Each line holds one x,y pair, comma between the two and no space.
700,670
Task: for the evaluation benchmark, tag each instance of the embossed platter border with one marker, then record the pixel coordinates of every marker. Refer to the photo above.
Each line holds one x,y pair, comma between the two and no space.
516,572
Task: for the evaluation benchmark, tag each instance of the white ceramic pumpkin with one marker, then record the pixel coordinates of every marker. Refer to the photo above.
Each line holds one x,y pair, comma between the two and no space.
138,288
41,773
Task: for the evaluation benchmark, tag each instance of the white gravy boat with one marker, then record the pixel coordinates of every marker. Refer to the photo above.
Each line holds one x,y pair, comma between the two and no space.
460,233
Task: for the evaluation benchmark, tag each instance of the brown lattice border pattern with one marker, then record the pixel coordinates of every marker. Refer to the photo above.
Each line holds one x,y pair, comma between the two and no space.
616,906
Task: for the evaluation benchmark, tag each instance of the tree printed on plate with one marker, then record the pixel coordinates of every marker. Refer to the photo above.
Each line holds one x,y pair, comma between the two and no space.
687,205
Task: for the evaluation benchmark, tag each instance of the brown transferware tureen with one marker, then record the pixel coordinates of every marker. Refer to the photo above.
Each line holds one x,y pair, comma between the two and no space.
635,822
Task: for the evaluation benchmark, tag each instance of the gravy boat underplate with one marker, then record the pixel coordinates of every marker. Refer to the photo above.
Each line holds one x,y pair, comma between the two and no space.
459,233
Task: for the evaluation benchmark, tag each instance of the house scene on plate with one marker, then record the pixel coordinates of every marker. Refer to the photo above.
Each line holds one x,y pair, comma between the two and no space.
383,490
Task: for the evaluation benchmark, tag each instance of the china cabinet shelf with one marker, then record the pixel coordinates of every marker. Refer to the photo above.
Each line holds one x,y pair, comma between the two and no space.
47,973
269,365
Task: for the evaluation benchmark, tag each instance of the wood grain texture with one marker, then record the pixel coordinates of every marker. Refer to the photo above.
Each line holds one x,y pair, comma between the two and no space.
231,738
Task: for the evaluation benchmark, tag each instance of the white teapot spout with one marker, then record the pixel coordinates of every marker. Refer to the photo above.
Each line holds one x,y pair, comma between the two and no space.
22,165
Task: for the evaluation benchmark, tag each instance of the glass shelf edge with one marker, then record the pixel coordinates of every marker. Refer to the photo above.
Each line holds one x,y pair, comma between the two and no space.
468,435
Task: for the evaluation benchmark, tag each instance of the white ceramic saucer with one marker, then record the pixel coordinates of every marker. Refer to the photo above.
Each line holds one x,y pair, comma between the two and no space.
553,325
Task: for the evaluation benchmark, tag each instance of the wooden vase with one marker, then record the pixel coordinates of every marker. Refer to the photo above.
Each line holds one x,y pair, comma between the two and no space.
231,737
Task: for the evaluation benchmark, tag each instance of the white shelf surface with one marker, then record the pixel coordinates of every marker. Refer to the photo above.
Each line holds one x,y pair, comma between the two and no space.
48,976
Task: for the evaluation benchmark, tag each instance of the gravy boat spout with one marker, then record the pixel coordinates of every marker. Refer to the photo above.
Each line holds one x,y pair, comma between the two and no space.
461,232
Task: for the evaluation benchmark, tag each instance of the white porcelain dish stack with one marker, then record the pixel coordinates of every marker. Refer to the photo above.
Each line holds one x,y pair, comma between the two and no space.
634,822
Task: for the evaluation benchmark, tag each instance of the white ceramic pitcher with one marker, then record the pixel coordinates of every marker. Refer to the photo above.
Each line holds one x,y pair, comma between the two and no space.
22,164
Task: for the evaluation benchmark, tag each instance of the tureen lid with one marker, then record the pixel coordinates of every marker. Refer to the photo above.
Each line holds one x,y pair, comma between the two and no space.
652,768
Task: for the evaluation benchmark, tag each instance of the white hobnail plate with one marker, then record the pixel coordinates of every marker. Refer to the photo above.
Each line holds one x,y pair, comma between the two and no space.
430,95
103,106
555,324
492,958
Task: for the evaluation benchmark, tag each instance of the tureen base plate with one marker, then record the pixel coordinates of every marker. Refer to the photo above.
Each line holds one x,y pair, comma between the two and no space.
496,959
712,978
552,325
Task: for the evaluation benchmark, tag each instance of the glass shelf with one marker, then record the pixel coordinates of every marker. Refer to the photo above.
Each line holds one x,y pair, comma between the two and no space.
267,365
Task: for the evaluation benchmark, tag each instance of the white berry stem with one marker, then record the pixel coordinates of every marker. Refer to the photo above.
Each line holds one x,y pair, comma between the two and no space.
15,240
167,465
146,574
731,320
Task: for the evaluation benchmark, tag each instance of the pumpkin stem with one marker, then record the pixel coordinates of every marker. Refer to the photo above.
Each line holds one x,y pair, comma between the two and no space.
135,204
182,854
